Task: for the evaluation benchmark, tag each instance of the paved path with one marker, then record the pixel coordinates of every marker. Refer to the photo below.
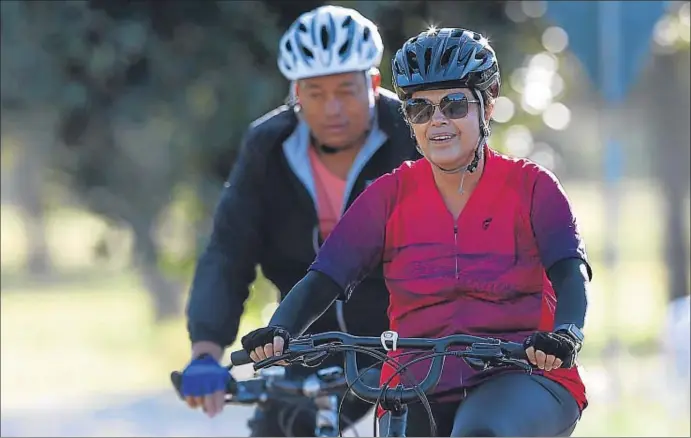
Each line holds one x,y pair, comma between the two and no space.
157,414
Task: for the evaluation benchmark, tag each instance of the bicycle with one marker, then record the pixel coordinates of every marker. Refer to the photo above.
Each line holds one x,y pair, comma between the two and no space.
320,392
481,354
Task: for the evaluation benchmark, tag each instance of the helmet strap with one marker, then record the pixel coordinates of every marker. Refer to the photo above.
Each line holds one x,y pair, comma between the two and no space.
293,98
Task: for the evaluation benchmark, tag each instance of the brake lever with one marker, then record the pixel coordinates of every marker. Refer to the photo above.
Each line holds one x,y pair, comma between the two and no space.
527,367
270,361
481,356
314,359
290,356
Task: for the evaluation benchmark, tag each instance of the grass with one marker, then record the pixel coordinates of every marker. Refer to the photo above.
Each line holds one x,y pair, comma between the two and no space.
78,341
632,417
71,343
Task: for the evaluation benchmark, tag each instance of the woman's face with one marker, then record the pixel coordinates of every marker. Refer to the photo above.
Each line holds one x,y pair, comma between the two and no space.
447,133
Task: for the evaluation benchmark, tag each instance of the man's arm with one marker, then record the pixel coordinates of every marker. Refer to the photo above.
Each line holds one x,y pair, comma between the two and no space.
227,266
561,249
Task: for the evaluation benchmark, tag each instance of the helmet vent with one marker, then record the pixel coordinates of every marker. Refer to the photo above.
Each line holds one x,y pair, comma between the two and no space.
428,59
325,38
307,52
344,48
446,56
412,60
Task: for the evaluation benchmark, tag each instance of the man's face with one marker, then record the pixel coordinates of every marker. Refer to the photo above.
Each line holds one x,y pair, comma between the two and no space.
336,107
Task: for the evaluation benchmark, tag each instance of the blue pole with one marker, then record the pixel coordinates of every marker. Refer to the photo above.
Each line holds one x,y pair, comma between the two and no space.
610,45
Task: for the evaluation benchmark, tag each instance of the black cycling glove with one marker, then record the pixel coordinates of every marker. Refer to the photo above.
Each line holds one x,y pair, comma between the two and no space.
558,345
263,336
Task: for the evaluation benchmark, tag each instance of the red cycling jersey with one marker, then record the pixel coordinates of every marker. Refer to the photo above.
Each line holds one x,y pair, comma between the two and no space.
483,274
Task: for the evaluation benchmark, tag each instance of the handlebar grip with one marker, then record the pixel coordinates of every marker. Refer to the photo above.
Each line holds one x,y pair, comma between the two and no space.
515,351
240,357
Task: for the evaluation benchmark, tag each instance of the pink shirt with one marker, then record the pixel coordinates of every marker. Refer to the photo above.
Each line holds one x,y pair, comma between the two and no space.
482,274
330,190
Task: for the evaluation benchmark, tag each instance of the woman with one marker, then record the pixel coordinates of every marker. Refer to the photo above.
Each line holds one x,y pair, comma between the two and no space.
471,242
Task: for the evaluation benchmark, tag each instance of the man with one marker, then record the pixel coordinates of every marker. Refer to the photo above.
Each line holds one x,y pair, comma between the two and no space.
299,168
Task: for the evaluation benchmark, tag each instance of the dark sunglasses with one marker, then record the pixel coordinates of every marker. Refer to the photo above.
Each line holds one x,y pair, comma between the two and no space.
453,106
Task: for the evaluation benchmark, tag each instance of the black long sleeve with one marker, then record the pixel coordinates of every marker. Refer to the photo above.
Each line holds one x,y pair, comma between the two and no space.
227,267
306,302
316,292
570,281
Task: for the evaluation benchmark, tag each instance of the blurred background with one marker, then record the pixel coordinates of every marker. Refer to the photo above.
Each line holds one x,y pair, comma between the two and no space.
121,120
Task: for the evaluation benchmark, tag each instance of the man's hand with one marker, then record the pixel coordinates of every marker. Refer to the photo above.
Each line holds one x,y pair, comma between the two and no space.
265,342
204,383
549,351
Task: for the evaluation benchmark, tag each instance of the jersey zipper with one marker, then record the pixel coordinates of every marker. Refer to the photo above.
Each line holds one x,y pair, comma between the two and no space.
455,248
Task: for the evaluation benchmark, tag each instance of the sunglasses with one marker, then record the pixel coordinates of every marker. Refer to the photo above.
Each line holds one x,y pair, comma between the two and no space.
452,106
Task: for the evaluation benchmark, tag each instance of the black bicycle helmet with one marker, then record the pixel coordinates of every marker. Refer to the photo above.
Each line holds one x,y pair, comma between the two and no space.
449,58
446,58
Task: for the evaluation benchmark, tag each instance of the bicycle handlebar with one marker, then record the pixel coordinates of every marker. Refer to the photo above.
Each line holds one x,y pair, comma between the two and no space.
482,353
326,382
240,357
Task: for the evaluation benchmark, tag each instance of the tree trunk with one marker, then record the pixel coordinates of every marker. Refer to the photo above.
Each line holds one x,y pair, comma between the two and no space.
165,294
28,176
673,167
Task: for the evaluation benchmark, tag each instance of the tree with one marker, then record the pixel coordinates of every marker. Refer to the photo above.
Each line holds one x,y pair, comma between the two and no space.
152,101
671,153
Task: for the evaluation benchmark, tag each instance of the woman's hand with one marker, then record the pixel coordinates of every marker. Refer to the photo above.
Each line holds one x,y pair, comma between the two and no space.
266,342
549,351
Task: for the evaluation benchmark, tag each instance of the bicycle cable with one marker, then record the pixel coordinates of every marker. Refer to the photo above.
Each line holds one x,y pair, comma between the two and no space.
293,410
405,368
337,347
394,364
286,425
349,390
424,400
377,355
308,407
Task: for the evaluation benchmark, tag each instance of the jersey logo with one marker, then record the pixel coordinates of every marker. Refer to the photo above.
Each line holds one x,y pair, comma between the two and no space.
486,222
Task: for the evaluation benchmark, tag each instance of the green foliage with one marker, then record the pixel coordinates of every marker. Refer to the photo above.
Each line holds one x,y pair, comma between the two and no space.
152,102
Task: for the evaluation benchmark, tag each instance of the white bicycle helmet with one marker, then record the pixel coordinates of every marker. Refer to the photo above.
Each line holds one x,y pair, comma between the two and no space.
329,40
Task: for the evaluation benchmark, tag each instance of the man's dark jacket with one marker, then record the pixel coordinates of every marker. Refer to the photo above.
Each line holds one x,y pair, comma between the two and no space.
266,216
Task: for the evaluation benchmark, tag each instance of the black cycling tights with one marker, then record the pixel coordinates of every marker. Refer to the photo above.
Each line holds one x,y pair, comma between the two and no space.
506,405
